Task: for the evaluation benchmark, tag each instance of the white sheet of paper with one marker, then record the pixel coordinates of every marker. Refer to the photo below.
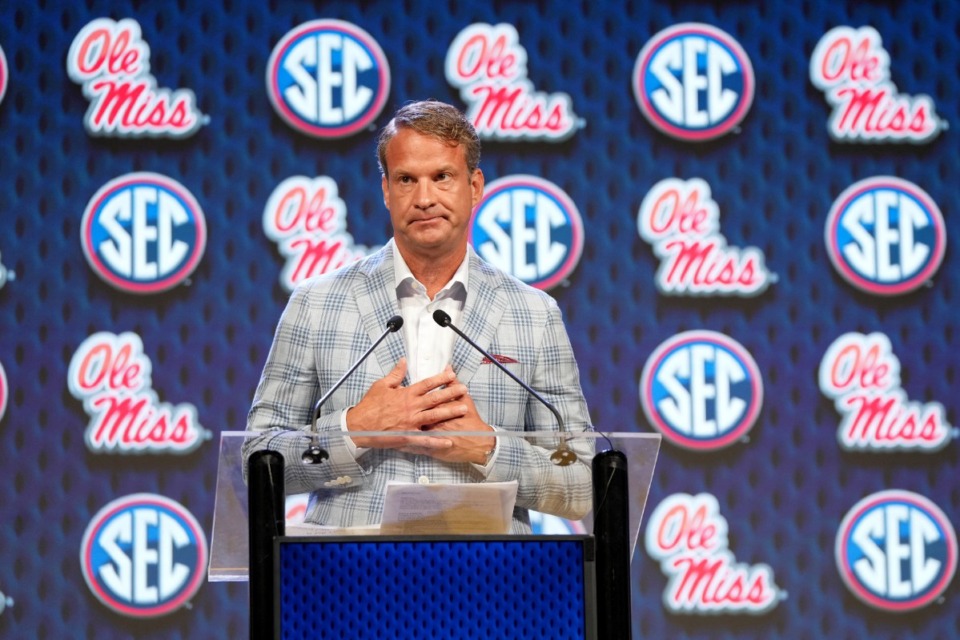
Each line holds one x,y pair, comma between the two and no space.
430,509
307,529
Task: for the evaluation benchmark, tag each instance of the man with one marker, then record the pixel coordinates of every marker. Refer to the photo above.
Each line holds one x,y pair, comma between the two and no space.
425,379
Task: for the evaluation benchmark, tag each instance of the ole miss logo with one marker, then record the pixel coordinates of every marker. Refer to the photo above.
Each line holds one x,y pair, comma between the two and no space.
701,390
328,78
681,220
143,555
693,82
885,236
852,68
488,65
529,228
308,220
689,537
143,233
861,373
111,375
111,61
896,551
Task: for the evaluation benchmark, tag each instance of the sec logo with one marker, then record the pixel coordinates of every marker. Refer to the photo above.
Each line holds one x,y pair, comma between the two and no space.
529,228
328,78
896,551
693,81
4,392
143,233
4,74
143,555
701,390
885,236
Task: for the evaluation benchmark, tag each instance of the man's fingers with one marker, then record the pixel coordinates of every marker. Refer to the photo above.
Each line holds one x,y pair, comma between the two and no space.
419,445
426,385
395,377
445,395
442,413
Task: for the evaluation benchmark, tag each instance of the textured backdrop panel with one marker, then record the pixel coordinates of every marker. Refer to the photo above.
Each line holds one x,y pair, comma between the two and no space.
783,492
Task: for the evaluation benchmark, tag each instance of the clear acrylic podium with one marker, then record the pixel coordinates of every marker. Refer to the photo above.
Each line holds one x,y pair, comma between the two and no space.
343,582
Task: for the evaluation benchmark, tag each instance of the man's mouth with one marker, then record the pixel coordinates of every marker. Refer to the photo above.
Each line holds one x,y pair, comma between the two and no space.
427,219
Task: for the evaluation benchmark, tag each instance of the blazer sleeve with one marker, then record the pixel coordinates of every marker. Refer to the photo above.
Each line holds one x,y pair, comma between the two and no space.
282,406
543,486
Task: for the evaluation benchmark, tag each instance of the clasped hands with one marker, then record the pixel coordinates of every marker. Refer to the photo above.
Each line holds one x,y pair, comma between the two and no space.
436,404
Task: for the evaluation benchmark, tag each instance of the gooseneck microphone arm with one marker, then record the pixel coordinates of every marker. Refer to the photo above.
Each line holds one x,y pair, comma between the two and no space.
315,454
563,456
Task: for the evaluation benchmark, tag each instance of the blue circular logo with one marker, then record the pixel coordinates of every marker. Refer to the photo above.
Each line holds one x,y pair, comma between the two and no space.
896,551
143,233
143,555
529,228
693,82
4,74
4,392
701,390
885,236
328,78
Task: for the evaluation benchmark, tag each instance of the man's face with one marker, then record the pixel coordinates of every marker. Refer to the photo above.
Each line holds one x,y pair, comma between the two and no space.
430,195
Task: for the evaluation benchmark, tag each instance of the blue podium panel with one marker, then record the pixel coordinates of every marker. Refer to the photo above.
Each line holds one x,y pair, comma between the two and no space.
352,588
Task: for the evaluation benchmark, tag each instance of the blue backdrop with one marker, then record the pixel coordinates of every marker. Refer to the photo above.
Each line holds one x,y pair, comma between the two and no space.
783,491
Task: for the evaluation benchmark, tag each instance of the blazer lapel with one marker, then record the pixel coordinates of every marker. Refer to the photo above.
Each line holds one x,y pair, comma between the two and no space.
481,317
377,303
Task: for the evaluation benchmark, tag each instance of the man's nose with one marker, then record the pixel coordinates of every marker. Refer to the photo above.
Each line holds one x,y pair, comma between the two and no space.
424,195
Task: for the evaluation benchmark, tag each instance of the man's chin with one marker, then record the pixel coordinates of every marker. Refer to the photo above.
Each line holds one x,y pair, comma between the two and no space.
430,244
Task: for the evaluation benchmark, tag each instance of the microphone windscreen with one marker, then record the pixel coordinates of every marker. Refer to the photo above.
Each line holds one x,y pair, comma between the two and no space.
395,323
441,317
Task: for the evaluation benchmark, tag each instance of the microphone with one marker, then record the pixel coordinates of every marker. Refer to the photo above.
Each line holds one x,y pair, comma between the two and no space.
563,456
315,454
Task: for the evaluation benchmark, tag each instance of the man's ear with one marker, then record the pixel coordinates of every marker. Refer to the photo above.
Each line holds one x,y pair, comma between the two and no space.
476,186
386,191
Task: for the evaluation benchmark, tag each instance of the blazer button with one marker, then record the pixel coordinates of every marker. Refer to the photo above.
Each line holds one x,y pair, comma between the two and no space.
423,480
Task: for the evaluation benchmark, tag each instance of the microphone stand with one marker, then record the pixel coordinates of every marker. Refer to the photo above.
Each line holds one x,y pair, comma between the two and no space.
315,454
564,455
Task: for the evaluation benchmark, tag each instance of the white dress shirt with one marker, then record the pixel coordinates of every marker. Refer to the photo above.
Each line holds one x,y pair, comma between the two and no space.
429,346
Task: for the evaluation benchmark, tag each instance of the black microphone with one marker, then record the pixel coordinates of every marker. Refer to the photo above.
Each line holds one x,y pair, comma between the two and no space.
563,456
315,454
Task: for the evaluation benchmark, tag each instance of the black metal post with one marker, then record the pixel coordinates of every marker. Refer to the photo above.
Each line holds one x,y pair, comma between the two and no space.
611,528
265,506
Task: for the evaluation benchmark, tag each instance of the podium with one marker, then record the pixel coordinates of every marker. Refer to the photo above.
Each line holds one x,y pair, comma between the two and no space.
361,582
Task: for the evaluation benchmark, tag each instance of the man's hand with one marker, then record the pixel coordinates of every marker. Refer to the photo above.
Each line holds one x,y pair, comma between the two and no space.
387,406
466,448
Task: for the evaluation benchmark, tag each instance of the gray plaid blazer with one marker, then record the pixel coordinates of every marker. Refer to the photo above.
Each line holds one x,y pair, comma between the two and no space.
330,320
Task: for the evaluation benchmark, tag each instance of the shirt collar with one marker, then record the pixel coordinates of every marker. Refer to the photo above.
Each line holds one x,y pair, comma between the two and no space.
408,286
